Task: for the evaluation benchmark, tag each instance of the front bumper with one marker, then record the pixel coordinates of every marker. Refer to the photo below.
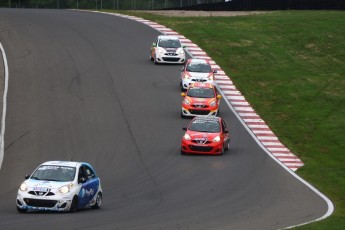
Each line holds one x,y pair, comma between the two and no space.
26,201
177,58
192,112
212,148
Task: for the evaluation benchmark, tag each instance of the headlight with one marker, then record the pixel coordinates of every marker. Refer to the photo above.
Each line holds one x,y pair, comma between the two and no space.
210,77
186,76
213,103
160,50
187,137
64,189
216,139
23,187
181,52
186,102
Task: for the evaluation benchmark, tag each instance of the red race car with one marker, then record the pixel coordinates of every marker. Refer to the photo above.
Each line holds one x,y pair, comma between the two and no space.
200,99
206,135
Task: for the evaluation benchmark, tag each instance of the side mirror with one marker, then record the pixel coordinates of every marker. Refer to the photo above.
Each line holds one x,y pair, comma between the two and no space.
27,176
184,128
154,44
183,94
184,46
219,96
214,71
226,131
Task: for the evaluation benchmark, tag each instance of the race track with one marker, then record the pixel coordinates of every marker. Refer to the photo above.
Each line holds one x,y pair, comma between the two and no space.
82,88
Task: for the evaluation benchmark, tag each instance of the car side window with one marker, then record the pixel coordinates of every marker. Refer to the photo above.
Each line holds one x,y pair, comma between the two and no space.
81,173
223,126
89,173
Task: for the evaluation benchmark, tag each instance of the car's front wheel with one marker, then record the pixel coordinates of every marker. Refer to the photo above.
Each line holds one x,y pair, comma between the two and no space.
222,151
98,201
21,210
155,61
74,205
227,145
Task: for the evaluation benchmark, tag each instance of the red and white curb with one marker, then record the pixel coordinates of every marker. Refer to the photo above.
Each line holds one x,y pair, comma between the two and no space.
251,119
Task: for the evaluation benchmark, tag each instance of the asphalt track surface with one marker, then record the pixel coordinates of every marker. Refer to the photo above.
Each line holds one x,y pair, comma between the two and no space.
82,88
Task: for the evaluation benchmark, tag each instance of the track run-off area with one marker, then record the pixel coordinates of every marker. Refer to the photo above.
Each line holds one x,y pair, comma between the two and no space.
81,87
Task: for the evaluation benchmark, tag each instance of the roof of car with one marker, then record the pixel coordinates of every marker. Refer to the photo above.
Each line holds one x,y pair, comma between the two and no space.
198,61
168,37
63,163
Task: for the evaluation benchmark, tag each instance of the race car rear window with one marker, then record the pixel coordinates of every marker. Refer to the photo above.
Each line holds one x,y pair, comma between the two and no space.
205,125
201,92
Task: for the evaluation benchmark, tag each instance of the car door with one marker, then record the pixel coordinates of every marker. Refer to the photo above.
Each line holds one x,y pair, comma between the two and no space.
89,187
225,133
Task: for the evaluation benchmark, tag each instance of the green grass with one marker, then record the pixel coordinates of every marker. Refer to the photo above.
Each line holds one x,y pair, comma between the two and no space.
290,66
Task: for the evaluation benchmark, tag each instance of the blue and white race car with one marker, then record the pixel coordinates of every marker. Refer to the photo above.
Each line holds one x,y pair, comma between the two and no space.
60,186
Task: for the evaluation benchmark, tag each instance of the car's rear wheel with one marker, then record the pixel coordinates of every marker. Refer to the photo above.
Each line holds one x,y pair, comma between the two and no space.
98,201
74,205
21,210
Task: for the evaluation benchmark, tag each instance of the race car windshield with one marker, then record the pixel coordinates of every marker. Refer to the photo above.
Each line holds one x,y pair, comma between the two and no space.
201,92
199,68
169,43
205,126
54,173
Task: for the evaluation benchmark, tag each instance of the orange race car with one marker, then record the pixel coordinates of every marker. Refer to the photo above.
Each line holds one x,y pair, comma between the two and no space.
205,135
201,99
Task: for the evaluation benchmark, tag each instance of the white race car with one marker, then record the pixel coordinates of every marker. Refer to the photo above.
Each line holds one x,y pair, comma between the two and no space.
167,49
60,186
196,70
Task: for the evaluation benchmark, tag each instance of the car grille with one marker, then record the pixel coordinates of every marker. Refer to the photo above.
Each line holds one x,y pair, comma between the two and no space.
171,54
171,59
40,203
199,106
198,142
199,80
200,148
37,193
199,112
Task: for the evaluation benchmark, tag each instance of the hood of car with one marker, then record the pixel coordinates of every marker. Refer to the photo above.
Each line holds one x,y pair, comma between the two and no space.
198,75
201,136
171,50
42,184
200,101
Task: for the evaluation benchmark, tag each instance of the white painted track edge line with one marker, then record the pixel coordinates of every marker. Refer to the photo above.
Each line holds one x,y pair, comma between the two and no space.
328,201
4,105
